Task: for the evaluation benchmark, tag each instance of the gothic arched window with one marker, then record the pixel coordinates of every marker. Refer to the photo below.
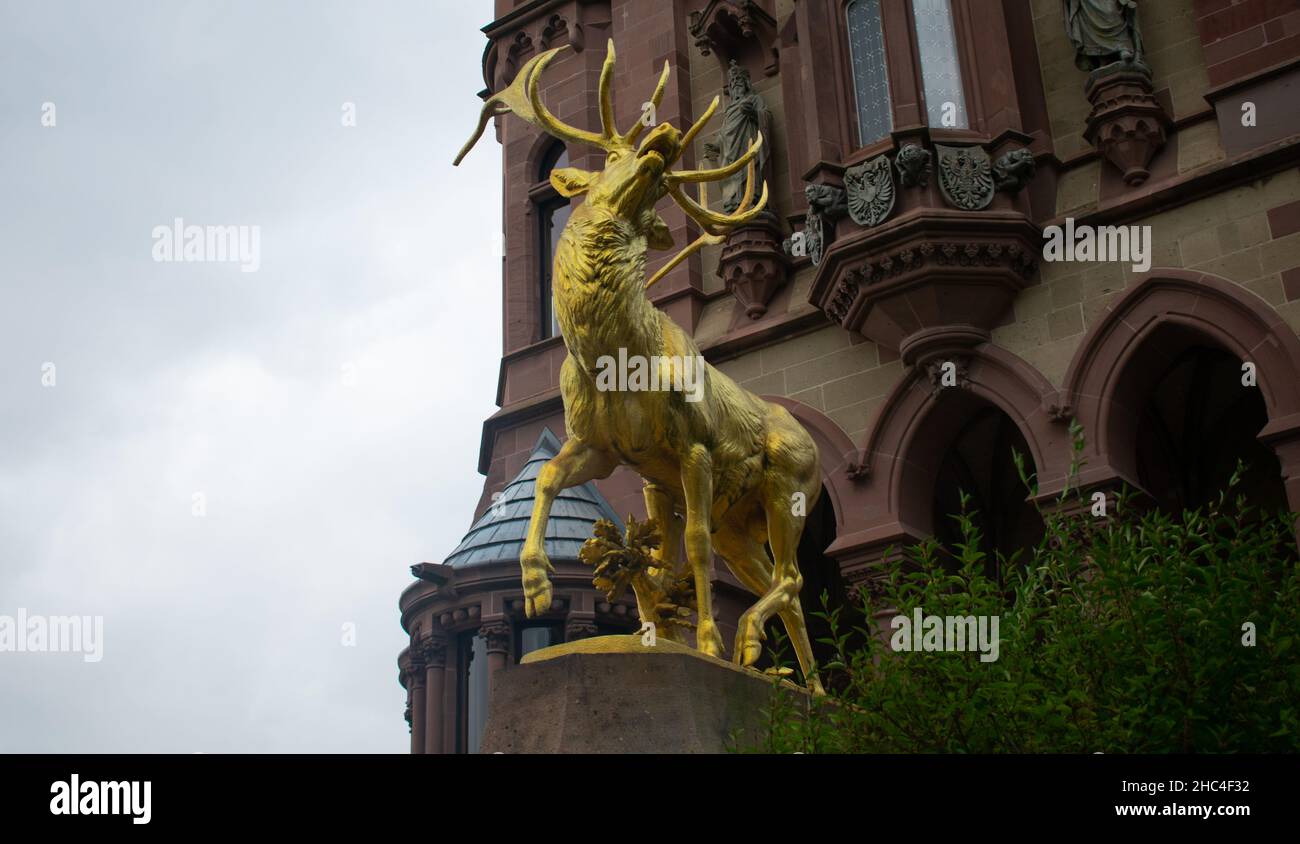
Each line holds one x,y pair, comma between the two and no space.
552,215
870,73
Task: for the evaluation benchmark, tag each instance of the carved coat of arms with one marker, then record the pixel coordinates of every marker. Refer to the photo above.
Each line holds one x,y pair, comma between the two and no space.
870,191
965,177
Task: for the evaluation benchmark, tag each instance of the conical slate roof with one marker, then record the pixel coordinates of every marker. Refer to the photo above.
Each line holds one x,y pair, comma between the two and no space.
499,534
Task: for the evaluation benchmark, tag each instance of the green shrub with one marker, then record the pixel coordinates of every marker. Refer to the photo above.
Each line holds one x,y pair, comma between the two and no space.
1118,634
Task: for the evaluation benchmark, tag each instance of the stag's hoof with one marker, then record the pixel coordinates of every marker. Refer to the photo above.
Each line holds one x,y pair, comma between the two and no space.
537,586
749,640
708,640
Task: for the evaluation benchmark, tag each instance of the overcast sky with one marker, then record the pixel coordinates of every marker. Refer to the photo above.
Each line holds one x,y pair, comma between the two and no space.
326,407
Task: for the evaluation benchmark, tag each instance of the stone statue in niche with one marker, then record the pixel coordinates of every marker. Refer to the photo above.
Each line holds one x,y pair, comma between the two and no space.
1127,124
1103,32
745,118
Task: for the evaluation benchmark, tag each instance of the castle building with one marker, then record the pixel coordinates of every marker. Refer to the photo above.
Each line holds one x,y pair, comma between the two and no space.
990,218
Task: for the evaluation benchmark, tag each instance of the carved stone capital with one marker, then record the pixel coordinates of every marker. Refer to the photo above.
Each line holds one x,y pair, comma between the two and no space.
1060,413
858,471
580,628
945,373
498,635
415,673
433,651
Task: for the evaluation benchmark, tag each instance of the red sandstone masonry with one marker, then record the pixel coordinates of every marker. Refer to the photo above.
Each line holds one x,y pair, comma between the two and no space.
1239,17
1284,219
1246,36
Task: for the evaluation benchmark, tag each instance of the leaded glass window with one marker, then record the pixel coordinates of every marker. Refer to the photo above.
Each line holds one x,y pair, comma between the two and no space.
945,103
870,75
553,216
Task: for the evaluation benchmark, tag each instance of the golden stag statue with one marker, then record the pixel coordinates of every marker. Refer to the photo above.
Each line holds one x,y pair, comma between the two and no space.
741,470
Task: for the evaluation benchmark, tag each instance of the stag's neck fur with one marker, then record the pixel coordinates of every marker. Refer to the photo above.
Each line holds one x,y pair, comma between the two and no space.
599,286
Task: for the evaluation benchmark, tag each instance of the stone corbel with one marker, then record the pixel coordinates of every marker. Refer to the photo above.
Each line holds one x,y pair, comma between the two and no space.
753,265
1127,124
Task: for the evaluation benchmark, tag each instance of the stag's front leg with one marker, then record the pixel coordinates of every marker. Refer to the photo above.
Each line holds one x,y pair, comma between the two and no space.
576,464
697,484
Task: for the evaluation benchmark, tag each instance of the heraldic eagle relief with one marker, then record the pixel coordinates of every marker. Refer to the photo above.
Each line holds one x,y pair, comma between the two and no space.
740,470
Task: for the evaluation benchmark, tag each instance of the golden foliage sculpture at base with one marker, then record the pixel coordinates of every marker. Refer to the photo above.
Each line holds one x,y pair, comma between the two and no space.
622,561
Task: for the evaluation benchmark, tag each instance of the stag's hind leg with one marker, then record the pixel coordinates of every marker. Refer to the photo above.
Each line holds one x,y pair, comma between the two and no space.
741,545
784,527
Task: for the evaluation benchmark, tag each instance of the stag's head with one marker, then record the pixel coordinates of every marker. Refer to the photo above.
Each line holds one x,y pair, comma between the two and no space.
638,171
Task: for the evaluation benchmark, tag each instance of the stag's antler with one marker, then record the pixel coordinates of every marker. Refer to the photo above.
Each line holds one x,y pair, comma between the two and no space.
523,98
716,226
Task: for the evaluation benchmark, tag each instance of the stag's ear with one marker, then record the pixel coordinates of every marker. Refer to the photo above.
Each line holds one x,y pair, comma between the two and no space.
570,181
659,237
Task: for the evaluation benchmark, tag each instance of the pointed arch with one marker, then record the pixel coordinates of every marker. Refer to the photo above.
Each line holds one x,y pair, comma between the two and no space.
839,458
1163,314
907,444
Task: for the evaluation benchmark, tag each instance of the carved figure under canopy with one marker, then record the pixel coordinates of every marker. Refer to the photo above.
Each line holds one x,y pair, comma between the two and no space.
745,118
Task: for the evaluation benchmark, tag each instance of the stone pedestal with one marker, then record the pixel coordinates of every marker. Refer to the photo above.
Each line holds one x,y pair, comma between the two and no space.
753,265
611,694
1127,124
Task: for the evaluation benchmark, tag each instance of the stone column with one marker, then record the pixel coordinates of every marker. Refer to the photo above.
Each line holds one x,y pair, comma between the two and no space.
416,688
1287,448
866,571
434,652
497,634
